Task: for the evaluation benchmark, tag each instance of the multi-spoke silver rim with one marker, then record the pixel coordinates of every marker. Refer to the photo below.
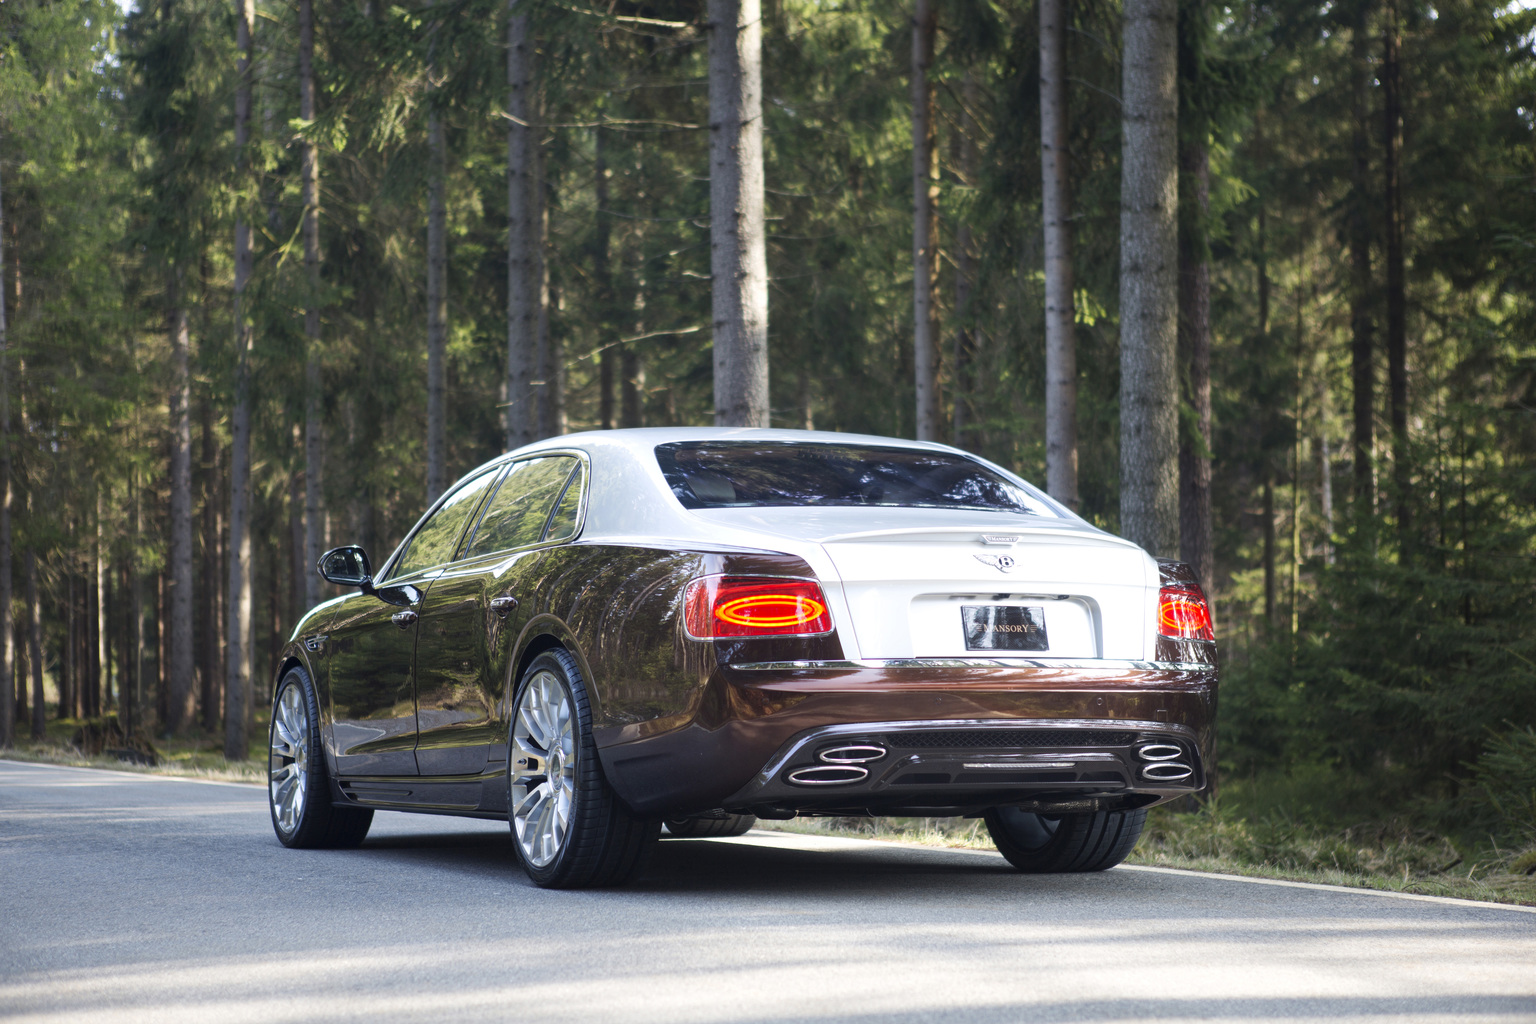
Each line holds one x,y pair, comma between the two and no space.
543,768
288,769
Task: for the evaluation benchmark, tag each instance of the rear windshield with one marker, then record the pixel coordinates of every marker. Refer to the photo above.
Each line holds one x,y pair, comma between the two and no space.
751,474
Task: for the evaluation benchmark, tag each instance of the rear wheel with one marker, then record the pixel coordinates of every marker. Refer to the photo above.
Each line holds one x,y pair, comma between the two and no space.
711,828
569,828
298,786
1042,844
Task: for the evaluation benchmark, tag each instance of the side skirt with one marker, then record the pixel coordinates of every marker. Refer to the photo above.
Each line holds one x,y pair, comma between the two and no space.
467,796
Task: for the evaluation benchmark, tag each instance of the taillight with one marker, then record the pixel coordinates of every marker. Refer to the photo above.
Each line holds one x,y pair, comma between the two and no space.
731,606
1183,614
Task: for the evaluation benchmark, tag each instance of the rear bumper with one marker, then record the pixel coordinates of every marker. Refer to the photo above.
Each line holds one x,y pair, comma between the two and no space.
954,736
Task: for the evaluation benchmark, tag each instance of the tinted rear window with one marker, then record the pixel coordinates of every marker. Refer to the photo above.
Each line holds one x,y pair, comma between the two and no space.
748,474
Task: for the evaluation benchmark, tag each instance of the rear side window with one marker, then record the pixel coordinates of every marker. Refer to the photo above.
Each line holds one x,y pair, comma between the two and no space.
750,474
521,507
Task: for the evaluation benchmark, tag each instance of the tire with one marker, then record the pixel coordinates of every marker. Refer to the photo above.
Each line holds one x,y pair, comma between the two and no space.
569,828
1041,844
710,828
298,784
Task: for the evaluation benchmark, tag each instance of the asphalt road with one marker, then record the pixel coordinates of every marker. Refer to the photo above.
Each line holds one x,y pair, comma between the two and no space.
126,898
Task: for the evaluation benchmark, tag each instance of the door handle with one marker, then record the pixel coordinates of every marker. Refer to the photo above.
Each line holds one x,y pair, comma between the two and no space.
403,619
503,606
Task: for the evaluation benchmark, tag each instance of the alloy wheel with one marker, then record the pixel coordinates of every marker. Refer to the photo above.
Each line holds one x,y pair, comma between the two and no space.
288,768
543,786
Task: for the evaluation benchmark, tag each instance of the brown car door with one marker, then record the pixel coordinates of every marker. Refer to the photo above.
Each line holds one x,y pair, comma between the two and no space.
471,614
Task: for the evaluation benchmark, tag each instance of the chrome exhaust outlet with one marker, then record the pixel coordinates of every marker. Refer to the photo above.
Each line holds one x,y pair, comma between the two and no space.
853,753
1167,771
828,775
1159,752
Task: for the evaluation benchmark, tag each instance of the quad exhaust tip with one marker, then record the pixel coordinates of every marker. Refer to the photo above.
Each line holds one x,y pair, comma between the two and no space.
1167,771
828,775
1159,752
852,753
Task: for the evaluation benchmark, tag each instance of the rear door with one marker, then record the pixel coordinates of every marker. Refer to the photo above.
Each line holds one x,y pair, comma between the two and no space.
462,628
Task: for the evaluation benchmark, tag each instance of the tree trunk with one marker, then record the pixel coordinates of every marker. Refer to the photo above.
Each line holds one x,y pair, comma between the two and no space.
522,234
925,224
1324,470
7,630
965,270
1397,309
209,605
437,309
35,647
1149,314
179,702
1195,534
103,602
238,667
738,243
314,403
602,273
632,407
551,371
1269,547
1056,212
1362,370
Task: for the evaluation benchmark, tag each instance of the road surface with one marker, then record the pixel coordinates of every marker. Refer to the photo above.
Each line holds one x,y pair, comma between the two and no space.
126,897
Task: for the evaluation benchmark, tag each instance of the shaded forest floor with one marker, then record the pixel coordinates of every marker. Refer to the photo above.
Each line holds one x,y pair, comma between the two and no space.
199,755
1249,832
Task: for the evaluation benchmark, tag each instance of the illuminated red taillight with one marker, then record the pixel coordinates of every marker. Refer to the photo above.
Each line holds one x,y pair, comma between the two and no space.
731,606
1183,614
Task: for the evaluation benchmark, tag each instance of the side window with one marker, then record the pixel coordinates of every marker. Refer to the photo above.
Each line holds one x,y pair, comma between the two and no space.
521,506
562,526
435,541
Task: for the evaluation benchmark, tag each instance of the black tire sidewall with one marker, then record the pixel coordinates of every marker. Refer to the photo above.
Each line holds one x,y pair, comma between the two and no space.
588,775
312,822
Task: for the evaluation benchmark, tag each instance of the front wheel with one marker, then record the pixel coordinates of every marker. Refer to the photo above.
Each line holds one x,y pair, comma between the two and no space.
569,828
298,786
1043,844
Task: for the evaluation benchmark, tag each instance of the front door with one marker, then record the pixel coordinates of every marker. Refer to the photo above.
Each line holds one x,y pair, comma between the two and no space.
372,701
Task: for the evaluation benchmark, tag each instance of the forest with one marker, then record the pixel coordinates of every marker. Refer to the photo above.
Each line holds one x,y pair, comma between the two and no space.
1252,283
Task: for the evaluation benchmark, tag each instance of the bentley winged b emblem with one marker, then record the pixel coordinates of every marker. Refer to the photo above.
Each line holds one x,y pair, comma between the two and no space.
1002,563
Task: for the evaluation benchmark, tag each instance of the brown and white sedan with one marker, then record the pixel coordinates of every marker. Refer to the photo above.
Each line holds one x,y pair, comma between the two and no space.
602,632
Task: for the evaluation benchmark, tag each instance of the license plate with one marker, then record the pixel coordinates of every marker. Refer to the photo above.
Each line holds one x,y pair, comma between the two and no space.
1003,627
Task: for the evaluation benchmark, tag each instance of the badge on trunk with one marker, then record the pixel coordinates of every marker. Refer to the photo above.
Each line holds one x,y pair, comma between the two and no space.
997,627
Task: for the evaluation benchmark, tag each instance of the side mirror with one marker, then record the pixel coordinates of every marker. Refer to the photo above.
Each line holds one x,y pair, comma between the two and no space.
347,567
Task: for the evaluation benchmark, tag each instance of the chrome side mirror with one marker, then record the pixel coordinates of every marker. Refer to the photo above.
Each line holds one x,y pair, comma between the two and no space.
346,566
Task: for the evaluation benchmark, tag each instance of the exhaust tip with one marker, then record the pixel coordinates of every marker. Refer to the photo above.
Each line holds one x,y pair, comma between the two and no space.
1159,752
1167,771
828,775
852,753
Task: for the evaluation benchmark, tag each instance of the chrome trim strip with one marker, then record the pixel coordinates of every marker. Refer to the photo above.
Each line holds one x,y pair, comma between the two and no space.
844,666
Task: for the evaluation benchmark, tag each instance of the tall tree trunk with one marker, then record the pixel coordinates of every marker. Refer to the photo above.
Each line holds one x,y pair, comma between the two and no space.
1397,307
965,269
237,680
551,388
314,402
925,224
737,238
209,605
103,602
1195,534
633,392
7,630
522,233
1324,469
179,703
437,309
35,647
1056,213
1362,370
602,273
1269,546
1149,313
